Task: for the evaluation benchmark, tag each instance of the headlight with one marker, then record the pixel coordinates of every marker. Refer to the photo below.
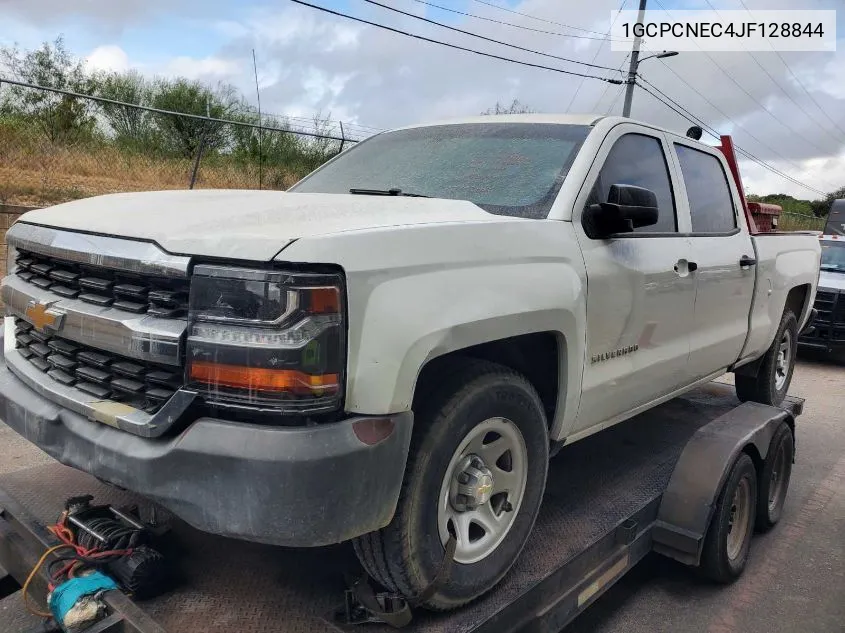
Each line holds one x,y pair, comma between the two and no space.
267,338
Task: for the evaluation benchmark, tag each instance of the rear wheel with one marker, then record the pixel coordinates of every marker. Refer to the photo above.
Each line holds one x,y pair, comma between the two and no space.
771,383
728,539
476,473
774,478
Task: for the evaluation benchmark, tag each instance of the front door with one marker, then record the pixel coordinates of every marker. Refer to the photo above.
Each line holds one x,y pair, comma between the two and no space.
640,290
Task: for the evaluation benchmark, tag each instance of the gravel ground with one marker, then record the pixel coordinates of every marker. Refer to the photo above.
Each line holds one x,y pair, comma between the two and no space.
795,581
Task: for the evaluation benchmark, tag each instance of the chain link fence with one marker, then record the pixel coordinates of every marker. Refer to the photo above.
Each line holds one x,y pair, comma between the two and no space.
57,146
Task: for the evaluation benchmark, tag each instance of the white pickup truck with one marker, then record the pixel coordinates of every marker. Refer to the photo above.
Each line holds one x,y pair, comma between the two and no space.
390,352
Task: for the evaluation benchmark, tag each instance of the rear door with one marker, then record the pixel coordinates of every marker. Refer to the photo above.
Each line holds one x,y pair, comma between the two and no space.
724,288
639,292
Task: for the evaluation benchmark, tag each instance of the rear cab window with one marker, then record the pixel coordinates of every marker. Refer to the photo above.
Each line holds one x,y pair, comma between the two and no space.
711,205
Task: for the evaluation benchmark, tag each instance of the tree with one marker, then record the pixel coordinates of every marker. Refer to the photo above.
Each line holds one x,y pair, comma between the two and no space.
822,207
61,118
183,135
131,126
514,108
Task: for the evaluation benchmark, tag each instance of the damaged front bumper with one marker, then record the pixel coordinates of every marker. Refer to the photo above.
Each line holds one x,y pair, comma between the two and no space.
293,486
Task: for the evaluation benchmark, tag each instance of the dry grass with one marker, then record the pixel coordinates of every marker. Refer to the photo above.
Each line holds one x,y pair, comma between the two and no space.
35,172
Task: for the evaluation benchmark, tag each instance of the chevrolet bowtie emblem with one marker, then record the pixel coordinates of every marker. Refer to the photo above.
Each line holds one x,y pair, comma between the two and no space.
43,317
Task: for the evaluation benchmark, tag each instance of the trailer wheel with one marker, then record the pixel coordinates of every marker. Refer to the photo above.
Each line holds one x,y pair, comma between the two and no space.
771,383
728,539
774,478
476,473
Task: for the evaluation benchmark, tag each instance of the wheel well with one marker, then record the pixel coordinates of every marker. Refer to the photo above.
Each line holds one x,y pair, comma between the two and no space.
536,356
796,300
751,450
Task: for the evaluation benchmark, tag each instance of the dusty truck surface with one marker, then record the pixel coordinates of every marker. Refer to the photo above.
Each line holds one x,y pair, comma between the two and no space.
390,352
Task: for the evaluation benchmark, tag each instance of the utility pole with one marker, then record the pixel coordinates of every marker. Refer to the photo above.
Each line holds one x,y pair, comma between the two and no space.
632,68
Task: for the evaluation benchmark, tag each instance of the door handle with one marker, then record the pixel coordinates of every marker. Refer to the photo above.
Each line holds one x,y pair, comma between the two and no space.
745,260
682,270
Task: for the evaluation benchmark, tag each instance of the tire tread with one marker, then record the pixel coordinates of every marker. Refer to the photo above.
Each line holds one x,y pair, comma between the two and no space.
383,553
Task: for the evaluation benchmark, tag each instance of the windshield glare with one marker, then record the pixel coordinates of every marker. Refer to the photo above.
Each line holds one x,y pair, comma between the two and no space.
506,168
833,256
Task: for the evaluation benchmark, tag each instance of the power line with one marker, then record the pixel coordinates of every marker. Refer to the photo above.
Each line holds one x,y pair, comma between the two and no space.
516,26
615,100
455,46
595,57
748,94
686,114
769,75
534,17
798,81
692,118
725,116
607,87
486,39
809,94
716,134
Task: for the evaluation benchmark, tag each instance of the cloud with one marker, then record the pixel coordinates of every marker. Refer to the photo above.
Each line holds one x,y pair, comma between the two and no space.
106,14
109,57
208,68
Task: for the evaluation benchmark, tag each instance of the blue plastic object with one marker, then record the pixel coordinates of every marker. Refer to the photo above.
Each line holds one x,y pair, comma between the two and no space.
66,595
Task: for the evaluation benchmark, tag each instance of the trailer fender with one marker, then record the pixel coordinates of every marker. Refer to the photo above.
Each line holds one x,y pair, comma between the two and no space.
688,503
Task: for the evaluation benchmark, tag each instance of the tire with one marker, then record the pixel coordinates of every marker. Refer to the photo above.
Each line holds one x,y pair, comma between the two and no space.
771,383
774,478
406,555
726,552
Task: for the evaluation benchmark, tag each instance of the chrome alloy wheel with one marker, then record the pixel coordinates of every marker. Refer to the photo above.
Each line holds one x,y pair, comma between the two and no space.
483,489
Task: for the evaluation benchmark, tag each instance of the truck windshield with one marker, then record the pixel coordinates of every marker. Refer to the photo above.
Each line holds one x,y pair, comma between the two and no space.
833,255
505,168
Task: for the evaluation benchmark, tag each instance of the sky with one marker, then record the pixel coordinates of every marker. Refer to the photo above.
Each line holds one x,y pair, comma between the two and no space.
787,110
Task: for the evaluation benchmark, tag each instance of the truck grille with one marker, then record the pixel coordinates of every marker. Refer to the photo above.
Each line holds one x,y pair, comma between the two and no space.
155,296
830,306
105,376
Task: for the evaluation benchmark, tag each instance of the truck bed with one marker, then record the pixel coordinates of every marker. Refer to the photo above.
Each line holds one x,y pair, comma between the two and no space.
226,585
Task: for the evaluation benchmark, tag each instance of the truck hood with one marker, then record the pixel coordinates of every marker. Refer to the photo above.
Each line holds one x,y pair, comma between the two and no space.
252,225
829,280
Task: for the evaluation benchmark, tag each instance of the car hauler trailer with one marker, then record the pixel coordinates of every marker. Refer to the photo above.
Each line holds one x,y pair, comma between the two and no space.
674,480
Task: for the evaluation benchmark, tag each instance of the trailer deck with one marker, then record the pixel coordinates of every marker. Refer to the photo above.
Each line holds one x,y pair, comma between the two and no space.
595,523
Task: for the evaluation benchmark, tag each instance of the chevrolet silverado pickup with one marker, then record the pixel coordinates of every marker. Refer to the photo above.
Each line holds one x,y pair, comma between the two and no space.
389,352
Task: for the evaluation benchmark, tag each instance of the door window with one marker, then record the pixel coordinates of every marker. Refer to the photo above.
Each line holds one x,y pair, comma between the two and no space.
710,202
637,159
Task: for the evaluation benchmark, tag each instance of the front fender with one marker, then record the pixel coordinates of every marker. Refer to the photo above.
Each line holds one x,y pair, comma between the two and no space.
419,292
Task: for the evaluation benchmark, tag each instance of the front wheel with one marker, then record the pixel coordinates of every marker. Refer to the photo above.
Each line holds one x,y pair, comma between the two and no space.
771,383
476,474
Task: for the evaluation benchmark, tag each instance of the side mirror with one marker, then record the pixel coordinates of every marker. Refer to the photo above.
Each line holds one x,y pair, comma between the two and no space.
627,208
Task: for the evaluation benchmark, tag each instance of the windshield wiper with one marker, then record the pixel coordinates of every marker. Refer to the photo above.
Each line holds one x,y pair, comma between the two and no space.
394,191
